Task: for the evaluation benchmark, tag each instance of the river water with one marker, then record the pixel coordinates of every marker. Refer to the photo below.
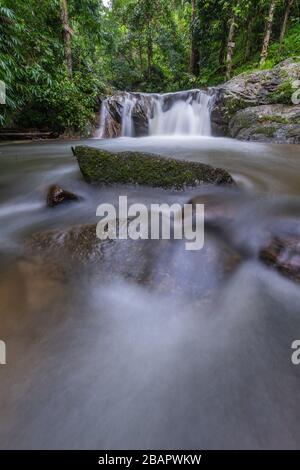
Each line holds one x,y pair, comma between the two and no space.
199,359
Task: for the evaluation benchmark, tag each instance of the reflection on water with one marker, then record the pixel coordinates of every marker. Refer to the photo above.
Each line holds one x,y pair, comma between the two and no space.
150,346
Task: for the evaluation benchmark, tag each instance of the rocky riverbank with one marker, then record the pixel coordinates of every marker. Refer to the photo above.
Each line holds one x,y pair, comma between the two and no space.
258,106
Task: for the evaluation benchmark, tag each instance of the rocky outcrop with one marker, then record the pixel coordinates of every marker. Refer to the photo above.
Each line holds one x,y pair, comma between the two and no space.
56,195
114,109
255,90
268,123
101,166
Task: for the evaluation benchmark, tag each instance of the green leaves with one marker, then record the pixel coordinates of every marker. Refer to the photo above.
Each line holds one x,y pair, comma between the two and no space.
135,45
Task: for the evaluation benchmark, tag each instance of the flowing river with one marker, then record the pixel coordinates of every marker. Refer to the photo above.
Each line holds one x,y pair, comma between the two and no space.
199,360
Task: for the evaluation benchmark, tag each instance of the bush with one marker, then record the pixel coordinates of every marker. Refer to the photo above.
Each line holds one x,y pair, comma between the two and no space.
64,104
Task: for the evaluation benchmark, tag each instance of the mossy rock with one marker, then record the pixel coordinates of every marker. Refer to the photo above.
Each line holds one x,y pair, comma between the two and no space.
268,123
275,118
253,89
283,94
102,166
267,131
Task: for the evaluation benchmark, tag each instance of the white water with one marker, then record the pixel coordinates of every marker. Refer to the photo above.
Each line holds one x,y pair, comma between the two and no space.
100,133
127,121
190,116
182,113
149,346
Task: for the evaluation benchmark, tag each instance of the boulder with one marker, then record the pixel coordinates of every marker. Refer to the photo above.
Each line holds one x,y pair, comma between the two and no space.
267,123
56,195
102,166
252,89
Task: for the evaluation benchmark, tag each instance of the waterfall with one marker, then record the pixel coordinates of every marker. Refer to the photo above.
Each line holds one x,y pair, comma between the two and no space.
127,121
181,113
187,115
100,133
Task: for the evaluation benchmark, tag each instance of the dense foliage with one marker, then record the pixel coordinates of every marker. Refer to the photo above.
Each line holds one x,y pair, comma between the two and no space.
57,57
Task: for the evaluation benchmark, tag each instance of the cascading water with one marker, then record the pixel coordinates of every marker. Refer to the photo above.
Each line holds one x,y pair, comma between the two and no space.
100,133
127,121
181,113
186,116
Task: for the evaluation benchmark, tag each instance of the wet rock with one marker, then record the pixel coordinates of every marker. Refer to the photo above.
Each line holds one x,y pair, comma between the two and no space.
113,122
56,195
255,89
282,252
219,208
101,166
268,123
114,106
163,265
78,242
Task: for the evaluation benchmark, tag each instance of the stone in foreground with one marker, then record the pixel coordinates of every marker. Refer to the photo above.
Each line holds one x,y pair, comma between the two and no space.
102,166
56,195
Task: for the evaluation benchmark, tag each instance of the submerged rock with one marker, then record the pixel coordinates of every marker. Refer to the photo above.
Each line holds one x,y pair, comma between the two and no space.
282,252
268,123
56,195
101,166
163,265
78,242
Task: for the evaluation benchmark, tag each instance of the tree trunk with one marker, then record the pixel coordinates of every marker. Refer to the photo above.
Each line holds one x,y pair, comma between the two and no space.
194,54
223,42
141,56
248,46
149,53
230,46
67,35
266,42
289,4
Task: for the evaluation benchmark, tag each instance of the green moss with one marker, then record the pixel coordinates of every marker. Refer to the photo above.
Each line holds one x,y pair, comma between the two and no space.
233,105
283,94
101,166
268,131
275,118
243,120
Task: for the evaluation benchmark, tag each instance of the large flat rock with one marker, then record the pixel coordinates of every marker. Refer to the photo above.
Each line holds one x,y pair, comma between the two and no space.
101,166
